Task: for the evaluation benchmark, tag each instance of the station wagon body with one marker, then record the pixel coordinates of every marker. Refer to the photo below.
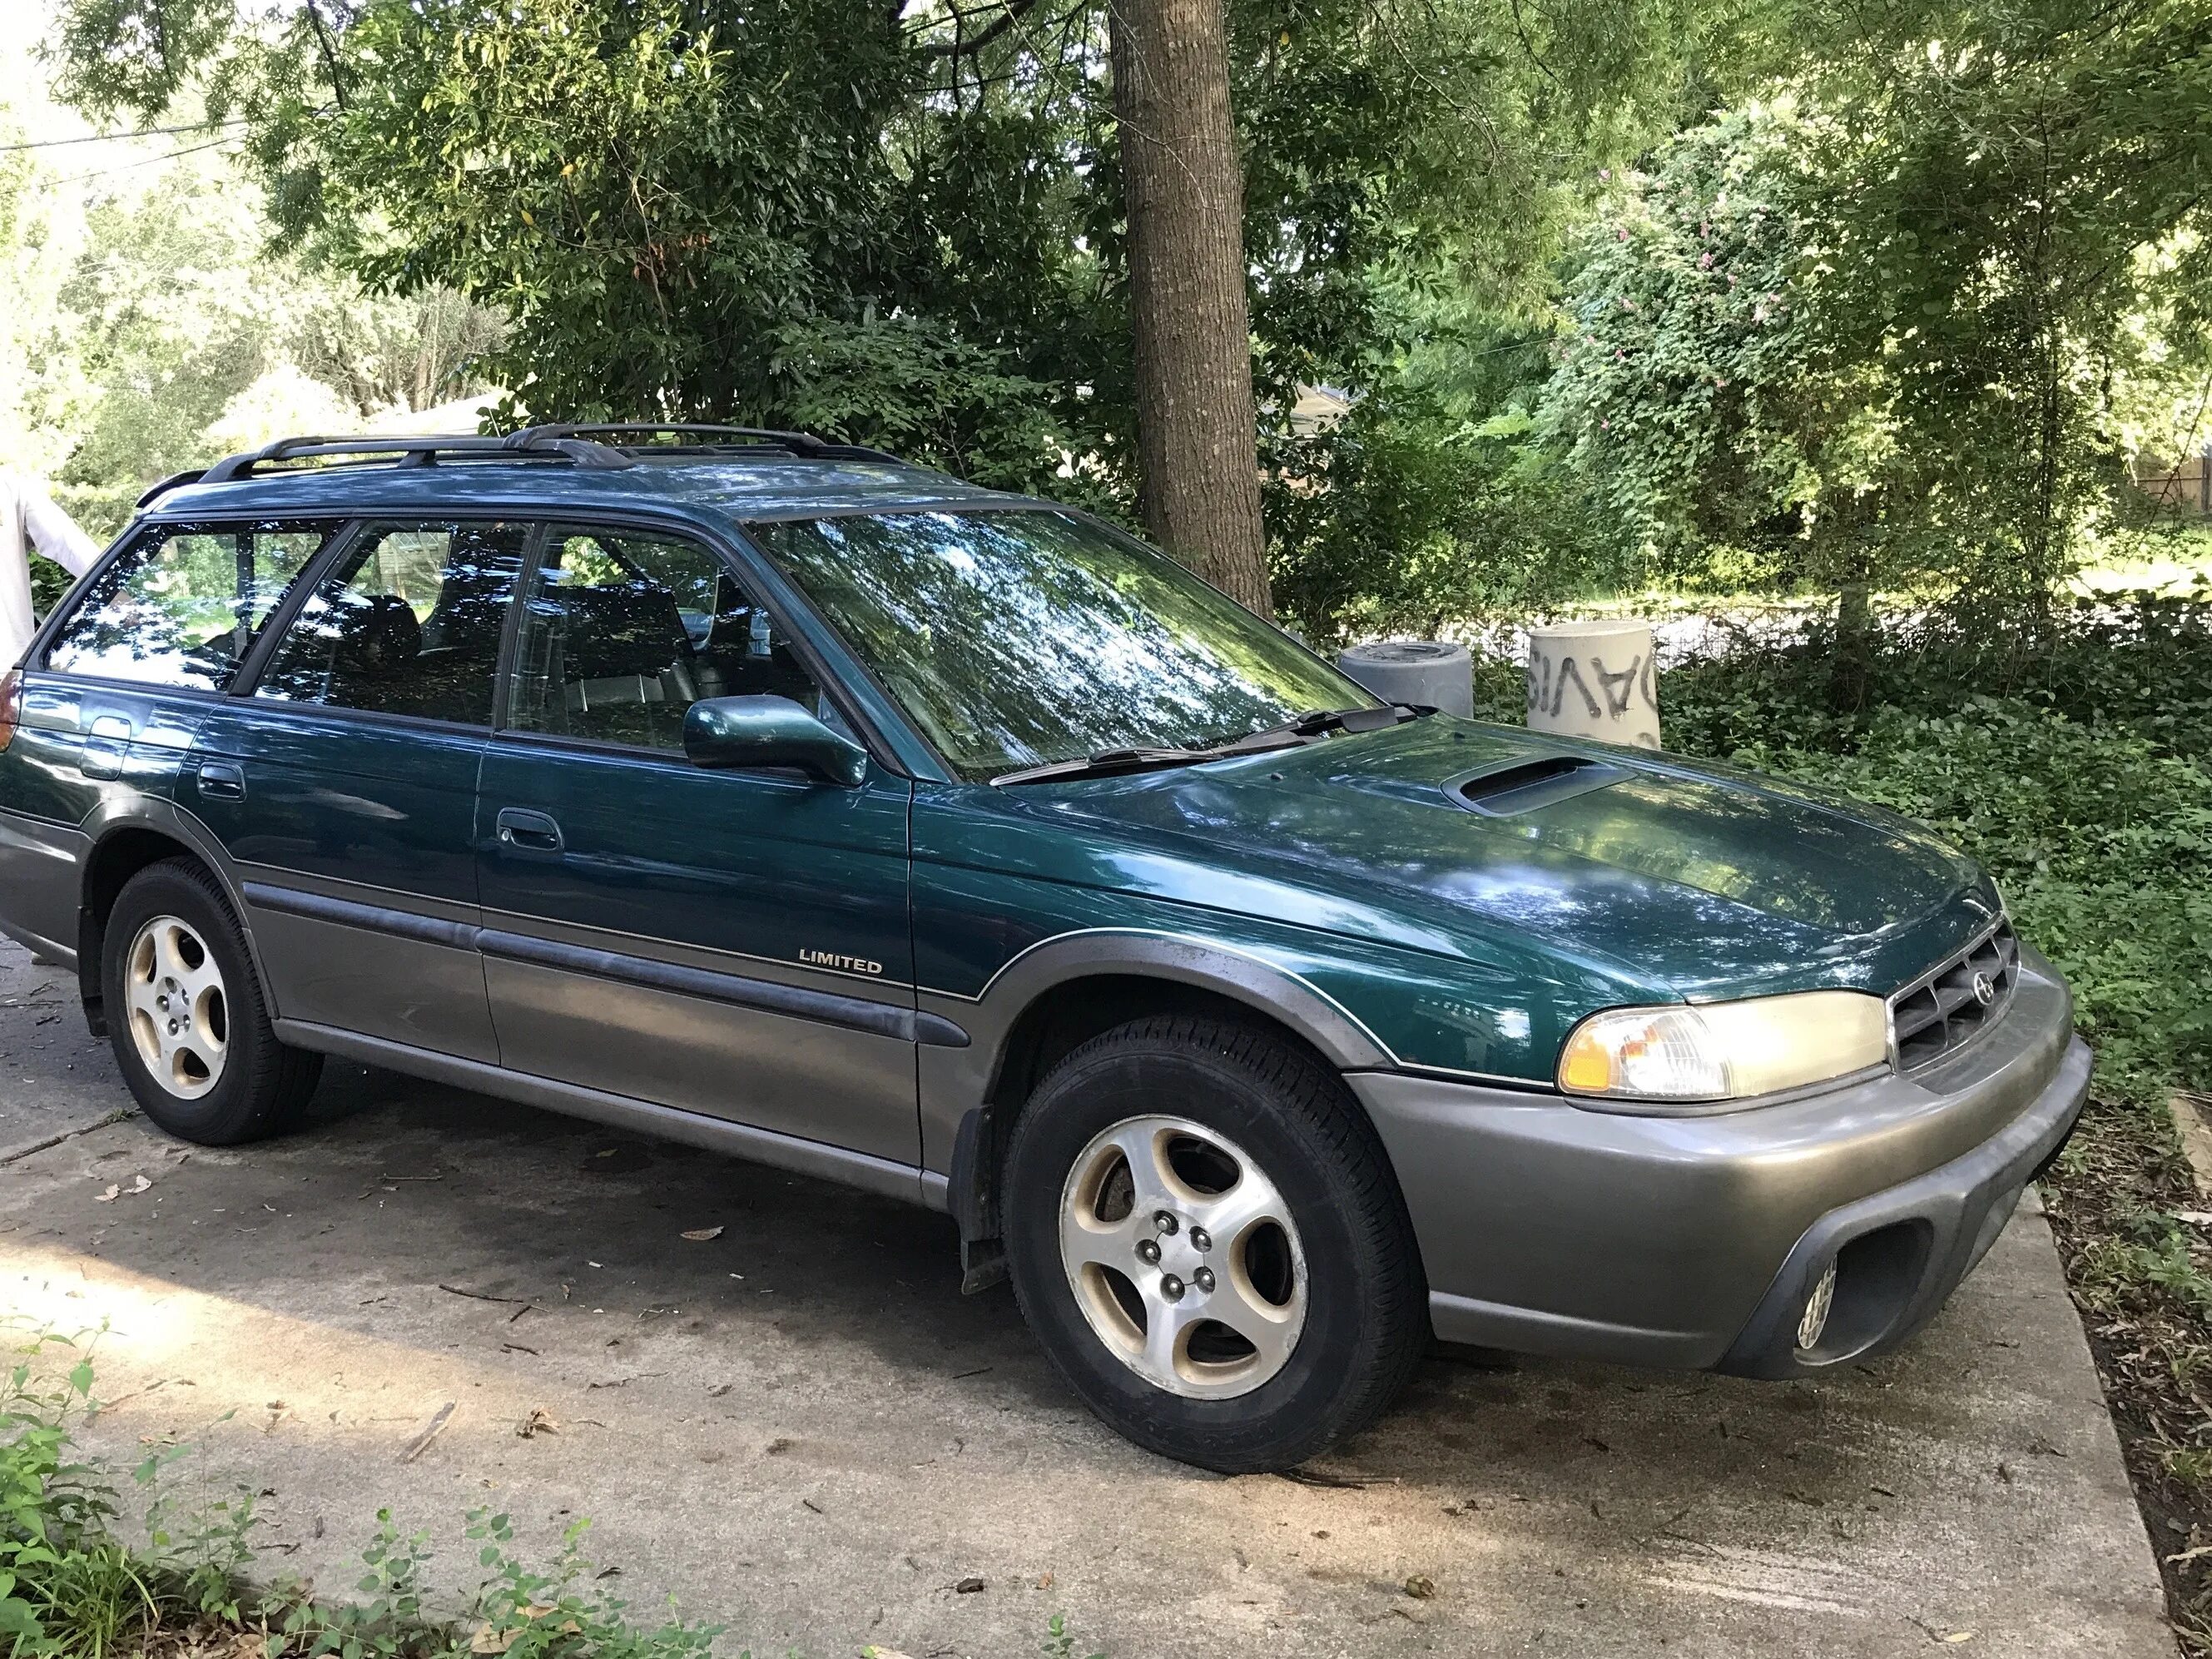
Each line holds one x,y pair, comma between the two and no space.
787,799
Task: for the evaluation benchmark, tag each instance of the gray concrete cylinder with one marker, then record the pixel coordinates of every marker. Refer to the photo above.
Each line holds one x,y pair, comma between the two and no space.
1595,679
1426,672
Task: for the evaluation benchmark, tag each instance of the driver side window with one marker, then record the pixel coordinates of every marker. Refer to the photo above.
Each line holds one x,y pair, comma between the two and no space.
623,631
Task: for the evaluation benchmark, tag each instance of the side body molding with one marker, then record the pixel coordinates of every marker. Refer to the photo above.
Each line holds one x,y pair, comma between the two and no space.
956,1081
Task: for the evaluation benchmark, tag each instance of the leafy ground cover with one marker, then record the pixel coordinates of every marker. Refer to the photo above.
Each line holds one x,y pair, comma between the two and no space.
2080,772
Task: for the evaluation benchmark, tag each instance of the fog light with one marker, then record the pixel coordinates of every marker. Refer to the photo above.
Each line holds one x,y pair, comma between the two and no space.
1814,1319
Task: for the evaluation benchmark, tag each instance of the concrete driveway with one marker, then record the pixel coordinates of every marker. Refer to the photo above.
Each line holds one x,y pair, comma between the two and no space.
801,1429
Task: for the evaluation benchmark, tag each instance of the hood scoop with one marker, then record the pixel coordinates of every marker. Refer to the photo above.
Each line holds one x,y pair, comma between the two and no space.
1528,786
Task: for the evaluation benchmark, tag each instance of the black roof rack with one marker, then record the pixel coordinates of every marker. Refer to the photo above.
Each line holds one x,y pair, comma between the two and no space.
803,445
579,443
174,481
421,451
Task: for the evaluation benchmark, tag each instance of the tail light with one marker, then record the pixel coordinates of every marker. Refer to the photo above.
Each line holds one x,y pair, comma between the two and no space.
11,706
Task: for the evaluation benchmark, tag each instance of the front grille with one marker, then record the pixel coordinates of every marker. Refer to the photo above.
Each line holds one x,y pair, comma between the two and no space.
1950,1005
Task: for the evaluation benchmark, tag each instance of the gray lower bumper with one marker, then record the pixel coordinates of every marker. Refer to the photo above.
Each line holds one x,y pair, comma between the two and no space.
1691,1240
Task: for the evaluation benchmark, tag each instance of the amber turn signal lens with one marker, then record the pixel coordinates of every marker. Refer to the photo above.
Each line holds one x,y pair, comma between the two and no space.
11,706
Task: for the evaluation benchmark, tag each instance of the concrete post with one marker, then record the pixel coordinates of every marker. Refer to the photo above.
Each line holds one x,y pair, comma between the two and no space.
1595,679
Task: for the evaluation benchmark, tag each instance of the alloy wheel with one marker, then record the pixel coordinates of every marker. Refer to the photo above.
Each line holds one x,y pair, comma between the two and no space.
179,1017
1183,1257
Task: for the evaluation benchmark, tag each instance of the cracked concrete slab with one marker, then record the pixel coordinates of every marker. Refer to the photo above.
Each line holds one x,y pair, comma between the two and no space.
799,1429
55,1077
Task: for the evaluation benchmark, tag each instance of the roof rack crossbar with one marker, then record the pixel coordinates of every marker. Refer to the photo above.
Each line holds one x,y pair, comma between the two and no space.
805,444
422,450
579,442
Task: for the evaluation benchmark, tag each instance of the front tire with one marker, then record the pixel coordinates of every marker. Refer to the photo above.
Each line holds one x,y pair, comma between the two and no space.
1208,1239
186,1017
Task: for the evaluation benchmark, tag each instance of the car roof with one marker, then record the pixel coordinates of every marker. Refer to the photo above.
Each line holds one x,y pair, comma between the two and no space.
767,487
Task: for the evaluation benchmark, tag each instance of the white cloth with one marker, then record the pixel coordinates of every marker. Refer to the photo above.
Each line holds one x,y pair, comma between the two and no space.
29,519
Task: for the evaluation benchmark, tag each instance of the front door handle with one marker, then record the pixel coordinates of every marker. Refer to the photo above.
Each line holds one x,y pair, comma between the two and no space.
527,831
221,781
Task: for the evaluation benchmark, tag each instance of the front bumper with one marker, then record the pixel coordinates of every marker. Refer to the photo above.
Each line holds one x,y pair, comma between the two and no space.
1692,1241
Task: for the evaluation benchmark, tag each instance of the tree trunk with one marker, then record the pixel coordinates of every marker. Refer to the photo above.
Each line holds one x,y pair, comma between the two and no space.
1197,431
1850,672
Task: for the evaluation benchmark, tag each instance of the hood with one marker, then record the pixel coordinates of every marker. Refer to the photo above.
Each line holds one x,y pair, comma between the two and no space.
1688,878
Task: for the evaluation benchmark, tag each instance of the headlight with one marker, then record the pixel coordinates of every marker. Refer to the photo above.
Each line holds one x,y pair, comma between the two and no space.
1725,1050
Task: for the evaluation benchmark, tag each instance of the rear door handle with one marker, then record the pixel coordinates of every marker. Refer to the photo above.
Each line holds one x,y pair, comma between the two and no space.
221,781
528,831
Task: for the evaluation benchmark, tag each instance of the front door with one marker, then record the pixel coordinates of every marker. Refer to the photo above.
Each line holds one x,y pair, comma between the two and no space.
344,785
729,943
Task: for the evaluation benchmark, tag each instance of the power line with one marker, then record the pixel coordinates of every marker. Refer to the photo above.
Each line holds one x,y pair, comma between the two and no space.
116,138
124,167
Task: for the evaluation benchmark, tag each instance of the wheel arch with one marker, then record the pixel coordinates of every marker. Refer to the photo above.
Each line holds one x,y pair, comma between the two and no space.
1057,996
120,848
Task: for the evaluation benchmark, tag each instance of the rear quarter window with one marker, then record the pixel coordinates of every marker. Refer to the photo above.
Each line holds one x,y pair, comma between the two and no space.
183,603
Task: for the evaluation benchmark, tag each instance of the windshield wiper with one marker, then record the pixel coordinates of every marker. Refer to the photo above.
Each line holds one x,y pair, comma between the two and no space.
1318,722
1107,763
1303,728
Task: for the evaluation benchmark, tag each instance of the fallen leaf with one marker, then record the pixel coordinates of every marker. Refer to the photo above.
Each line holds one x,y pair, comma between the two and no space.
968,1587
139,1183
107,1197
1421,1587
540,1421
700,1235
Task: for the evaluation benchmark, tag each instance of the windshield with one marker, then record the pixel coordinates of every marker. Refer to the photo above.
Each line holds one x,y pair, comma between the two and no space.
1018,638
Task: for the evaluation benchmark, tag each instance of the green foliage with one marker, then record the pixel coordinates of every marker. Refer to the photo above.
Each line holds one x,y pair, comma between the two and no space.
533,1615
1059,1640
1697,389
157,330
1887,325
1404,519
67,1588
904,226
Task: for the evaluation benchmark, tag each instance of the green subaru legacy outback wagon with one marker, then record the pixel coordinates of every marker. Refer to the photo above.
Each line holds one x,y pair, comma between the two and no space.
779,796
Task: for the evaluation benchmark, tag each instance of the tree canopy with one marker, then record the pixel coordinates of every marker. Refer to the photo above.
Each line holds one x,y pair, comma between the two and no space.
1769,292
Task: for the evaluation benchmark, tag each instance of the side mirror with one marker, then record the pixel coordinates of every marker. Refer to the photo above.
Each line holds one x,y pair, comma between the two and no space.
726,732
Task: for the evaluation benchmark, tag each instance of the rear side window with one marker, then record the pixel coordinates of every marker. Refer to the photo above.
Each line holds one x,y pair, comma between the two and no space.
184,603
408,622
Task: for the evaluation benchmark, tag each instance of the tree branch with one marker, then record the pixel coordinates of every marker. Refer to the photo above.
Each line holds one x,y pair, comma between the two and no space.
1009,15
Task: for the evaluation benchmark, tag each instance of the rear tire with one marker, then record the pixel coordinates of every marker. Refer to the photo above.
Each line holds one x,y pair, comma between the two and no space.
1246,1351
186,1017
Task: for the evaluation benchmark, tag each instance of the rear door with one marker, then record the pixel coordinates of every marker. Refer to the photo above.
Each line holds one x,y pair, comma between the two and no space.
150,644
729,943
344,785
